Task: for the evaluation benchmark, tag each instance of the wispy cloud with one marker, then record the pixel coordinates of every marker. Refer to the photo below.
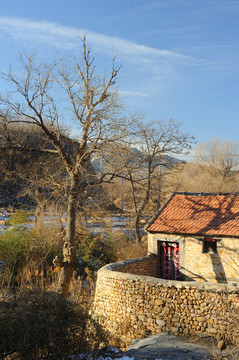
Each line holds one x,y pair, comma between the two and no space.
43,32
154,70
65,37
133,93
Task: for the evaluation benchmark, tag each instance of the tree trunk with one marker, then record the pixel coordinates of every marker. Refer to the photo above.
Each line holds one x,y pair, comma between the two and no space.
68,247
66,270
137,229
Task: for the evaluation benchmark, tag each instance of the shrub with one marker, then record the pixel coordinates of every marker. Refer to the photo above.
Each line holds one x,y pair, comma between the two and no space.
19,219
26,251
93,252
13,244
39,325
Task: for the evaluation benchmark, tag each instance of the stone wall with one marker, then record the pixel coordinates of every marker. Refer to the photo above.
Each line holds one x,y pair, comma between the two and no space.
200,266
142,266
137,305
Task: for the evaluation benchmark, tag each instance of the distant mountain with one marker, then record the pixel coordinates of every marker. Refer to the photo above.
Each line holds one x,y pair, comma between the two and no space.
100,165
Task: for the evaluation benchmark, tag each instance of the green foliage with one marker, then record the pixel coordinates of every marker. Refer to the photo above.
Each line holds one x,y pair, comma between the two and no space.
39,325
19,218
14,242
13,247
22,247
28,253
94,252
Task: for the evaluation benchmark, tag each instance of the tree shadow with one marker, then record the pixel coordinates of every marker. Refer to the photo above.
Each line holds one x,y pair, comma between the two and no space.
215,217
219,214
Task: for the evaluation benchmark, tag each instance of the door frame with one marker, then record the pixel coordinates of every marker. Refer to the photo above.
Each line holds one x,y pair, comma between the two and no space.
160,253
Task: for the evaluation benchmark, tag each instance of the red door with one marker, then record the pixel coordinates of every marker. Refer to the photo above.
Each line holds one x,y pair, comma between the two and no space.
169,260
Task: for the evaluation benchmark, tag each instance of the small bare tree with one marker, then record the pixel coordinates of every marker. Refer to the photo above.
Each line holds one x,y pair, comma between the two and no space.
219,159
36,100
150,146
215,169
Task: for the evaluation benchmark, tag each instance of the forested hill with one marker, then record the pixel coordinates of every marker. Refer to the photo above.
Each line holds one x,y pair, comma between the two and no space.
29,176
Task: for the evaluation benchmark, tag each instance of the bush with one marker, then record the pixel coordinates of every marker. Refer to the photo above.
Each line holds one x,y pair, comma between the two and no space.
94,252
13,244
19,219
39,325
26,251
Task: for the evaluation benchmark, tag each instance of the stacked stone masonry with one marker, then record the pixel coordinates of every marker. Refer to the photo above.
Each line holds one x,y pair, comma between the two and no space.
138,305
200,266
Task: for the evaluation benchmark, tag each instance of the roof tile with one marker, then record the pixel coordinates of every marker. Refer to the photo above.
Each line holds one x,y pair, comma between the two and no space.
200,214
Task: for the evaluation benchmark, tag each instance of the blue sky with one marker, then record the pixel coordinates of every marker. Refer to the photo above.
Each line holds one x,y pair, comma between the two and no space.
179,58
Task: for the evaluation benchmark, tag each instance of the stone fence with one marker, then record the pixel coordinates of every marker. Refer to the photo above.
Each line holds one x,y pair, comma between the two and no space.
129,303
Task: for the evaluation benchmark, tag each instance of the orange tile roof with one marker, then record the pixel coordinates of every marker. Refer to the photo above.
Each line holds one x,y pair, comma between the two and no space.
199,214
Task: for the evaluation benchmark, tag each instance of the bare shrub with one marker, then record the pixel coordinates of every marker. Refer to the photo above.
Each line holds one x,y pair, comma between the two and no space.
39,325
130,250
82,288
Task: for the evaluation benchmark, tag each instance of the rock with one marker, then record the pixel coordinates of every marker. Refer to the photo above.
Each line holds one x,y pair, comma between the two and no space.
174,329
110,352
211,330
160,322
165,346
221,345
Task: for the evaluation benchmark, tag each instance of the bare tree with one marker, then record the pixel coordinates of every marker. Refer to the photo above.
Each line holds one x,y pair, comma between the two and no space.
150,146
215,169
219,159
36,100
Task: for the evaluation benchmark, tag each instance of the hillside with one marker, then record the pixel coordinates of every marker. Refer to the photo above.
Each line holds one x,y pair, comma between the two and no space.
30,177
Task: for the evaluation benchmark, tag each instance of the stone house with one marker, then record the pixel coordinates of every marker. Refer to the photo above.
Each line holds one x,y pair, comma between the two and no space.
196,237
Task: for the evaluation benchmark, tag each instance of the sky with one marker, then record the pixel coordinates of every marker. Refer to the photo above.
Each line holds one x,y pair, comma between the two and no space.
179,58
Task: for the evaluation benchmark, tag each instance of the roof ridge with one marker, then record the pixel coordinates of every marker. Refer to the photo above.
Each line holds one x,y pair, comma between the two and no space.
206,194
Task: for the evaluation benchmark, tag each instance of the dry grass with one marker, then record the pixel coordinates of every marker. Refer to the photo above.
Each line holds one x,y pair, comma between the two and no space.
130,251
41,325
82,288
36,276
